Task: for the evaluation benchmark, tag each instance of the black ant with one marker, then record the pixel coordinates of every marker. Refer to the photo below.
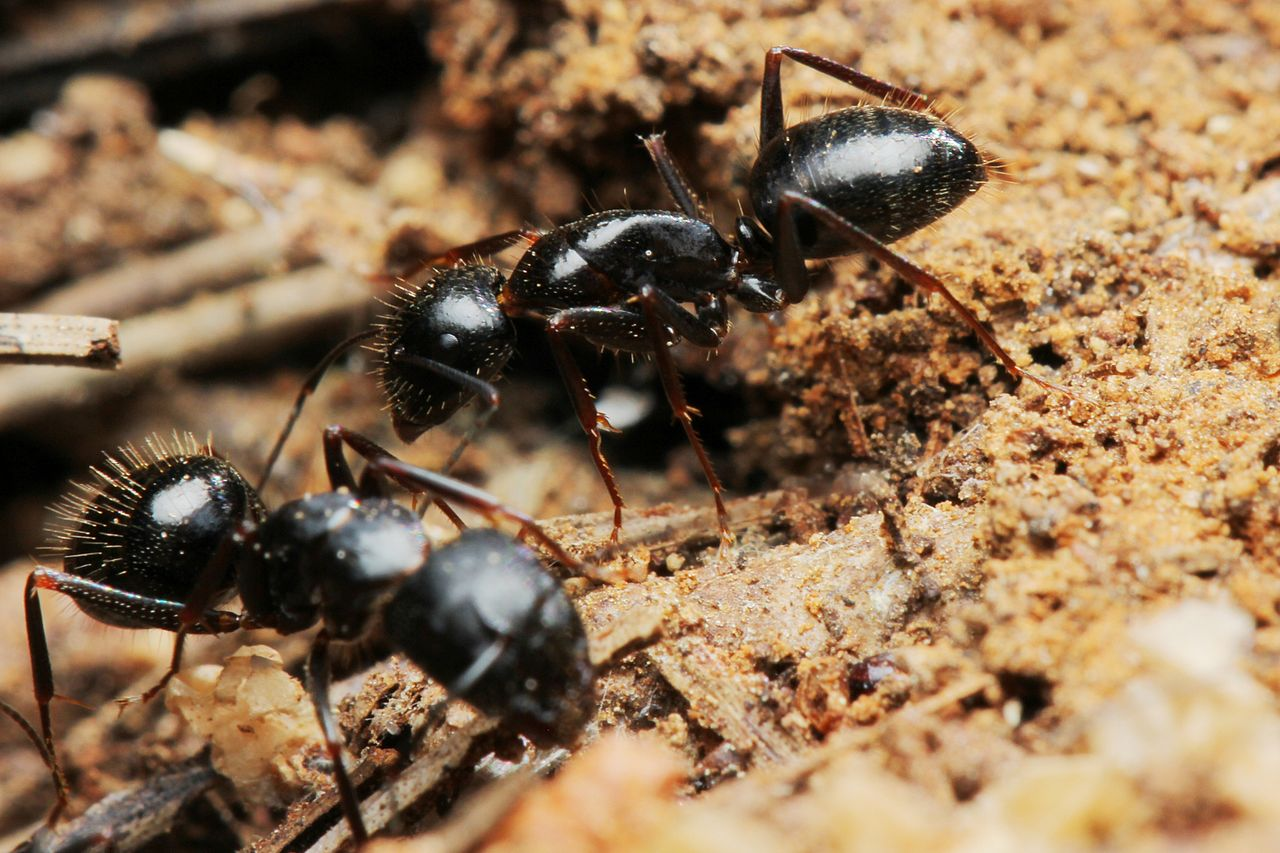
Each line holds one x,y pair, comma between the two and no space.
163,538
847,181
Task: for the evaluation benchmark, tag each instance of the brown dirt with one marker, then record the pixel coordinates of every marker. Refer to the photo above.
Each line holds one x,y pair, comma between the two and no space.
1078,643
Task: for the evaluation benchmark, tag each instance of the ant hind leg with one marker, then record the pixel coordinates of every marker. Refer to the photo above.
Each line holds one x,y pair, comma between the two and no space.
771,121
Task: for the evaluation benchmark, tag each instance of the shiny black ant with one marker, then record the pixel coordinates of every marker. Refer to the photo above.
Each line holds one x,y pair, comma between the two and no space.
847,181
166,536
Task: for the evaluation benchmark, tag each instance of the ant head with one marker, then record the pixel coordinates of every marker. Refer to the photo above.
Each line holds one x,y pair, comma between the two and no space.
453,322
487,620
336,557
152,521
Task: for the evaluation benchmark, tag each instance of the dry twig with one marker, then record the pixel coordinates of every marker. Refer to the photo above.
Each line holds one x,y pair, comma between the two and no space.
60,340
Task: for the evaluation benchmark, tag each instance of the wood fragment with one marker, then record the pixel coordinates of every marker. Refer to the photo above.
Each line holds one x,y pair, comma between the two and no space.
721,699
128,819
442,750
59,340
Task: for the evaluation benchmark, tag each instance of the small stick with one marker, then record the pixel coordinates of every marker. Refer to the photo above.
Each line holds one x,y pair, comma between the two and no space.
59,339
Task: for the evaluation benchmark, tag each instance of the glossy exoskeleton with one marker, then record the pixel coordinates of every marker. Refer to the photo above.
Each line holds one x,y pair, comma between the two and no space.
640,281
163,537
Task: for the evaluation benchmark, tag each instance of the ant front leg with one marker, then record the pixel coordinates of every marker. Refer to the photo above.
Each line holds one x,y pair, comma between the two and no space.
662,323
48,758
422,481
483,391
318,677
42,687
142,611
658,314
771,120
194,616
913,274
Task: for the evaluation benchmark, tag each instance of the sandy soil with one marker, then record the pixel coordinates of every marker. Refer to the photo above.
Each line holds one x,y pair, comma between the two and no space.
1075,641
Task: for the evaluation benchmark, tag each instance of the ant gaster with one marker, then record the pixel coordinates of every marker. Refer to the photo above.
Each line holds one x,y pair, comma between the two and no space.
163,537
851,180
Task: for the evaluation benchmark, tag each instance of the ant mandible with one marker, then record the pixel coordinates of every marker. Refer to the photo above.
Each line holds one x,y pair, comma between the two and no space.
847,181
163,538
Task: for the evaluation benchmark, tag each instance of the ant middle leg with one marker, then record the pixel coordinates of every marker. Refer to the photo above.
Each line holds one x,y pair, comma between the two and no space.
318,677
771,120
673,176
371,482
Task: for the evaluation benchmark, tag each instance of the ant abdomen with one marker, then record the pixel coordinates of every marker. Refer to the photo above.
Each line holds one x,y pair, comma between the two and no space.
486,619
150,524
887,170
448,328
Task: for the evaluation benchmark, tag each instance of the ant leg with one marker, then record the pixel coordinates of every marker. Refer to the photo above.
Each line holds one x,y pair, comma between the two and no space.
623,329
60,784
340,476
335,461
42,687
309,385
677,184
663,323
27,729
771,121
192,614
584,405
478,248
484,391
655,314
788,260
918,278
421,480
318,675
140,609
697,330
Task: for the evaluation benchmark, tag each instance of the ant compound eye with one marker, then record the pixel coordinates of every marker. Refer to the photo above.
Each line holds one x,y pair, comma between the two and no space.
447,347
